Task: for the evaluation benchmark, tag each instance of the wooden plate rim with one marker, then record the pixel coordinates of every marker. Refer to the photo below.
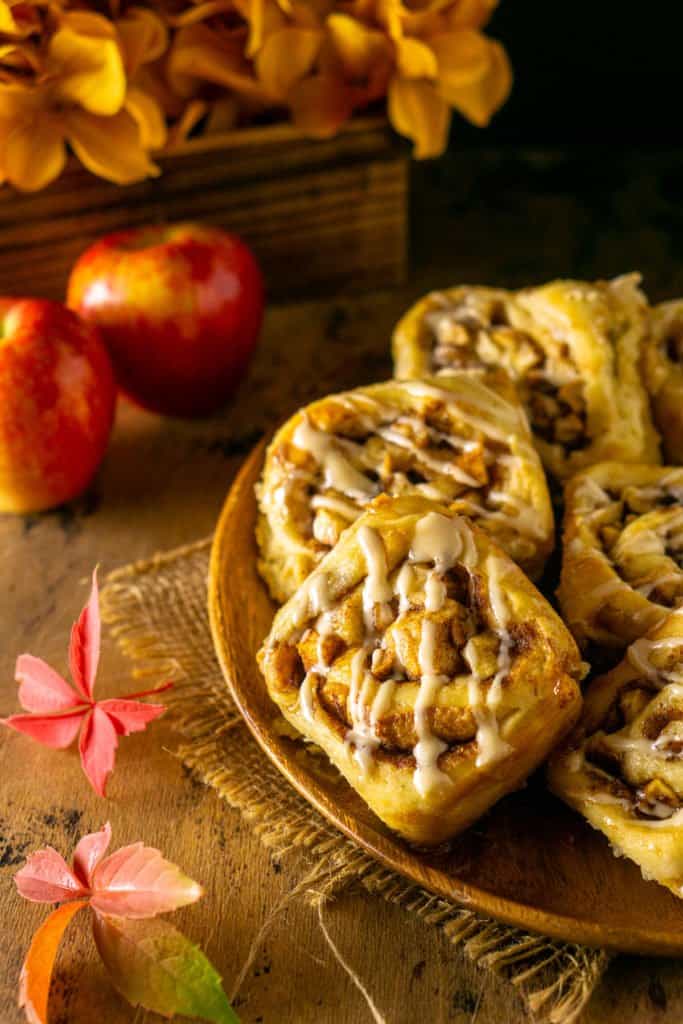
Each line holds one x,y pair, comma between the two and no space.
393,853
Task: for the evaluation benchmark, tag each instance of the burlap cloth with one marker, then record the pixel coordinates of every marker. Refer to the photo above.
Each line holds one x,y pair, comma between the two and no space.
157,610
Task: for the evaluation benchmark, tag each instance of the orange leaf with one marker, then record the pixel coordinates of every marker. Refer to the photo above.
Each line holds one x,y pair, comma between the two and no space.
34,984
417,111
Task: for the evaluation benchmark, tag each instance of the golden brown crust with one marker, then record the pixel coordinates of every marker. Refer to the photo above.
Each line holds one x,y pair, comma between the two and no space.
622,544
663,370
622,768
441,696
572,348
455,440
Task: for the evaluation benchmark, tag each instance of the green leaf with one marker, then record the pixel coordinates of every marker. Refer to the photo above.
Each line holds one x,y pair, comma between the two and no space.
153,965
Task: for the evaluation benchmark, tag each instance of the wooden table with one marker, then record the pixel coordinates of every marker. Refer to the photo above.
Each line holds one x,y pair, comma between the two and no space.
493,217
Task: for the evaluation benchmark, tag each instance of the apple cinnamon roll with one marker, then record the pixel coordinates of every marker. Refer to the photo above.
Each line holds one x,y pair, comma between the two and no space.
622,551
421,659
572,348
663,368
622,768
454,441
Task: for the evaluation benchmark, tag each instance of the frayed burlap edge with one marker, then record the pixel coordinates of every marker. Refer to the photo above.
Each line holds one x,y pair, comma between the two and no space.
158,614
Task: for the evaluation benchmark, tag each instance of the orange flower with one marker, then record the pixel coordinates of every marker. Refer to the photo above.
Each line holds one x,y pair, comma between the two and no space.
106,86
81,97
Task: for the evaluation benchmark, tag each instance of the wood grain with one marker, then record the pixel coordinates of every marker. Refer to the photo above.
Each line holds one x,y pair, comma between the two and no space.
319,214
530,862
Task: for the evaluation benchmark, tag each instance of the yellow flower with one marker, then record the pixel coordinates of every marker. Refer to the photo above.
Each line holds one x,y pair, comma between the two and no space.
443,62
81,98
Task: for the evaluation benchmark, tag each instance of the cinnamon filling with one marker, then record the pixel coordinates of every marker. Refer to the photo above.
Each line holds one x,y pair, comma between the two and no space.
476,334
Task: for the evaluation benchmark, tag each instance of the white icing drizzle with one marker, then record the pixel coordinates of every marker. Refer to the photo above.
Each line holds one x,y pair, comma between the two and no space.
491,746
522,515
337,505
376,589
428,776
405,581
639,656
440,540
361,734
604,590
339,473
443,467
318,602
500,613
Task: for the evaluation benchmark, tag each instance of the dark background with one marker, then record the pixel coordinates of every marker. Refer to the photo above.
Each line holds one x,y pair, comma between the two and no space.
600,71
580,174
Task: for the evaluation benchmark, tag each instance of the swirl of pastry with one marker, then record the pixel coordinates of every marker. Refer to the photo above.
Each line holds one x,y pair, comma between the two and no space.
622,768
572,349
622,551
663,368
455,441
421,659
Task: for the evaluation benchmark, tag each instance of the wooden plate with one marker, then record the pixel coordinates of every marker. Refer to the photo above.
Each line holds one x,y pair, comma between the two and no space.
530,862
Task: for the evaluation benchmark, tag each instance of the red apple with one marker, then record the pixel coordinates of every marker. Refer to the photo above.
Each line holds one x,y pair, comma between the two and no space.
179,308
57,399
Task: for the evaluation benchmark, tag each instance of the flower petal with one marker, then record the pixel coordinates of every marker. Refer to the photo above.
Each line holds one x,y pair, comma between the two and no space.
479,98
136,881
285,57
84,648
143,37
320,105
85,59
98,748
147,114
47,878
34,153
41,689
417,111
34,983
89,852
357,47
199,54
56,731
470,13
414,59
130,715
463,57
109,146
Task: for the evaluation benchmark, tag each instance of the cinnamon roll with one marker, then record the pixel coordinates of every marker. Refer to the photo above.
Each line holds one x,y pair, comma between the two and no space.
622,769
421,659
622,551
454,441
663,367
572,348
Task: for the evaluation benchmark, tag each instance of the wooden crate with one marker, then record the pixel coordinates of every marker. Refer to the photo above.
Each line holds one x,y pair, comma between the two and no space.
321,216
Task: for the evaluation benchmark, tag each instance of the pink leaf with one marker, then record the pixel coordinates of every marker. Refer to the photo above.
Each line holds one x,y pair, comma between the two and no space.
136,881
36,974
98,748
41,689
84,649
130,715
47,878
58,731
89,852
